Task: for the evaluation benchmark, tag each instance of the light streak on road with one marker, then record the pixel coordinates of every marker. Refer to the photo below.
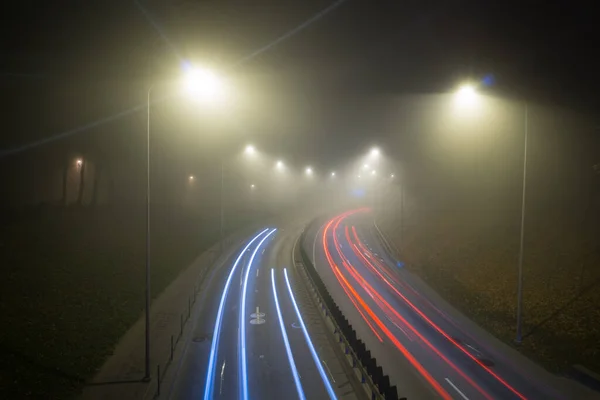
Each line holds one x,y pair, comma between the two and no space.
344,282
288,349
313,352
425,318
208,390
242,310
387,308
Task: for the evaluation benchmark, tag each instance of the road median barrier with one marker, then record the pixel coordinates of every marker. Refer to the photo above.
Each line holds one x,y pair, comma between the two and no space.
374,382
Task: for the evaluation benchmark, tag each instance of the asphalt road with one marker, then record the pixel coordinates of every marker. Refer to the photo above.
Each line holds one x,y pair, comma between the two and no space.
262,352
423,350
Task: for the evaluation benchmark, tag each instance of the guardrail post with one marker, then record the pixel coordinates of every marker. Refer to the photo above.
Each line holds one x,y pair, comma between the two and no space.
157,380
172,348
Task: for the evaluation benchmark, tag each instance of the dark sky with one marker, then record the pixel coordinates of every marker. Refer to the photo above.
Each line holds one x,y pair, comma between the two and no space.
66,64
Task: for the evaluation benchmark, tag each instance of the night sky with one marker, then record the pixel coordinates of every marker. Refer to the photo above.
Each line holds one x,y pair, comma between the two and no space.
310,98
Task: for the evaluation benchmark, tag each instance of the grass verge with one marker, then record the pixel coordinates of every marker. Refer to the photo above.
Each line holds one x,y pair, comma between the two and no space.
471,260
73,283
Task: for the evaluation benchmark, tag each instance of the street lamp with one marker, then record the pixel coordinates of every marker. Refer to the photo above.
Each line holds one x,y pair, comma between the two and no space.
252,186
374,152
467,96
309,171
519,337
191,178
392,176
279,164
249,150
373,172
202,84
333,174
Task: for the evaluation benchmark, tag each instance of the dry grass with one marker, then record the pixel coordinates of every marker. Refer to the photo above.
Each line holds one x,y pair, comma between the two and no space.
471,260
73,283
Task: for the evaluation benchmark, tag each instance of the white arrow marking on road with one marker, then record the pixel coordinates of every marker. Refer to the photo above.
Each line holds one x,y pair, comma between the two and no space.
257,318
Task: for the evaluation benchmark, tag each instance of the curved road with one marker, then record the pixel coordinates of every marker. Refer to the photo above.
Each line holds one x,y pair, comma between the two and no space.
250,339
405,331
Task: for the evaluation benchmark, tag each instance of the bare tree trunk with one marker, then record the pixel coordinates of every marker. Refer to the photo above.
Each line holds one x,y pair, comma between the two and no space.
81,183
64,183
97,172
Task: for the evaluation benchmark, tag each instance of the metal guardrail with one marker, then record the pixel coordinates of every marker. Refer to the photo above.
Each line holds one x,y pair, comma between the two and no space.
184,317
374,381
216,252
391,249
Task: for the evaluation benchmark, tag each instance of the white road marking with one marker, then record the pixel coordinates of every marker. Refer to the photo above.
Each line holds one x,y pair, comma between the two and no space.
222,378
328,370
399,327
257,318
257,269
457,389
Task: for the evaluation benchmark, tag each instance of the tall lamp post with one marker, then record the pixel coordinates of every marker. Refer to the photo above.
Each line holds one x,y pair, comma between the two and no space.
204,85
467,94
519,337
250,151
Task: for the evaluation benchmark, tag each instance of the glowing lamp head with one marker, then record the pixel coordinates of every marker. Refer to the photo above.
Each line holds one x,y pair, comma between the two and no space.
204,85
466,95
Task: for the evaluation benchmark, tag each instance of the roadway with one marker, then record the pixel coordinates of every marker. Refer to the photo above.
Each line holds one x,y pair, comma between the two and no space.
263,352
425,352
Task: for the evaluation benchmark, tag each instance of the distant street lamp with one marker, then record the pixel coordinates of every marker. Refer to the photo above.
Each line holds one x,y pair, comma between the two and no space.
249,150
279,164
252,186
309,171
333,174
392,176
191,178
201,84
374,152
373,172
79,162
